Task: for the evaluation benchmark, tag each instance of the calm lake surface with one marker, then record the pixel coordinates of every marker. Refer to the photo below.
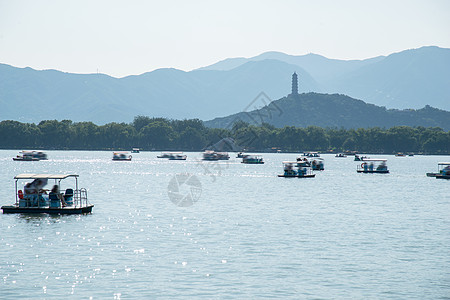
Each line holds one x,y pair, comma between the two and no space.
247,234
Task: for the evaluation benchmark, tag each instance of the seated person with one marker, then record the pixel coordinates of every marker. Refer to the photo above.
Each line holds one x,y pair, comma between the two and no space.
446,170
29,189
382,166
55,190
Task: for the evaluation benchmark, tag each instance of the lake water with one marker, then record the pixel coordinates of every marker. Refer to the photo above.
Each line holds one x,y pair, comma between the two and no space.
247,234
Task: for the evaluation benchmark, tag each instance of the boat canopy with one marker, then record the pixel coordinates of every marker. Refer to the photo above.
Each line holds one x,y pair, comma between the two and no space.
44,176
374,159
444,164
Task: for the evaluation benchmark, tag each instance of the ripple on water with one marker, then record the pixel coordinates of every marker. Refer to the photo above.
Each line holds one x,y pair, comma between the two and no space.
250,235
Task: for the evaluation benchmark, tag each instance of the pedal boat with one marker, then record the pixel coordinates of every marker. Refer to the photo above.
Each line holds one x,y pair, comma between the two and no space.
253,160
121,156
443,171
30,156
177,156
39,203
373,166
293,170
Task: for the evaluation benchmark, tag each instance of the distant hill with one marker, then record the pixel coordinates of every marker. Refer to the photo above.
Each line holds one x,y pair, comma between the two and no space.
408,79
335,110
320,67
28,95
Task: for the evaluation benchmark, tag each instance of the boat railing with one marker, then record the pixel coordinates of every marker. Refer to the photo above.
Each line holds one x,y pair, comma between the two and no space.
80,197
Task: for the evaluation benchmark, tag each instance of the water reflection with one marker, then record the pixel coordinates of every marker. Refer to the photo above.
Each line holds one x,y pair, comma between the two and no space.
250,235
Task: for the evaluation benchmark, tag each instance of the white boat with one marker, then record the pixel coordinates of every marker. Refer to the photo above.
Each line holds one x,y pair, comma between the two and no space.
340,155
443,171
34,200
168,154
292,169
360,158
213,155
121,156
177,156
373,166
30,156
303,161
135,150
241,155
252,159
317,164
311,154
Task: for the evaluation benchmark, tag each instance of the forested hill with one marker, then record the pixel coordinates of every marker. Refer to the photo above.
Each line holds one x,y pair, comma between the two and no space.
334,110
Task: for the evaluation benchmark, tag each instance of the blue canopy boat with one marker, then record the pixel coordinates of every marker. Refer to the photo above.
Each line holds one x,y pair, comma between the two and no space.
252,159
373,166
293,169
34,199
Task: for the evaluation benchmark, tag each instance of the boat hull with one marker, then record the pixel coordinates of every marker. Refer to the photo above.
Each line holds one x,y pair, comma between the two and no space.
374,171
298,176
440,176
12,209
253,163
433,174
26,159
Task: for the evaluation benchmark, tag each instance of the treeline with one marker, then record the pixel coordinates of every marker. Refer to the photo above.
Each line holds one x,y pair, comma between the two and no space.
192,135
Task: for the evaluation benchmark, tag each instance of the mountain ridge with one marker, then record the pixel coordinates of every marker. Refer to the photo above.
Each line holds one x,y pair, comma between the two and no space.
408,79
335,111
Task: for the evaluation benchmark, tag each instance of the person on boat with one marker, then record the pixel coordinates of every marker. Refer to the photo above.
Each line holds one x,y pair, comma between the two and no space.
288,169
371,167
55,190
29,189
382,166
34,190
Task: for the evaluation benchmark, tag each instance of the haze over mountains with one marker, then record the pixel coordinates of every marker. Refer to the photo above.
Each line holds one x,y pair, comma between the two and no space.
409,79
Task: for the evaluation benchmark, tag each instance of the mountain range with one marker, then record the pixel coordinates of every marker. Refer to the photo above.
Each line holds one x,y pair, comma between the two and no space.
408,79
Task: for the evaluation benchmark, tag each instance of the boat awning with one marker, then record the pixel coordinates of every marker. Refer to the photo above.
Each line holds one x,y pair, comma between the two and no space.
44,176
444,163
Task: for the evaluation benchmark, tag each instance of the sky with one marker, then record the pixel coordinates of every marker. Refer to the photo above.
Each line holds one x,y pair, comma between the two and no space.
121,38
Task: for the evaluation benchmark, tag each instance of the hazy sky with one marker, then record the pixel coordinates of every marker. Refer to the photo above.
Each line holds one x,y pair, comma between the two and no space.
120,38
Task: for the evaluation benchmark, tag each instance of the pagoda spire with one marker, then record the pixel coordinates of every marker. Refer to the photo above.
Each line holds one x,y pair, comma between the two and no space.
294,84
